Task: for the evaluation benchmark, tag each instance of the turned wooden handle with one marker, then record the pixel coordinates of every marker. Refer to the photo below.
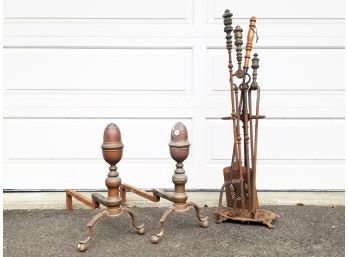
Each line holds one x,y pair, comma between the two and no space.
249,44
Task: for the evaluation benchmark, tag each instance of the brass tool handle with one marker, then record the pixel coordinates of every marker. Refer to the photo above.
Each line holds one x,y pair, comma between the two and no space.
255,66
249,44
228,28
238,42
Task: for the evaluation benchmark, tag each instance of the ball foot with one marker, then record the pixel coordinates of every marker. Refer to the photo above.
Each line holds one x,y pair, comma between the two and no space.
154,239
205,224
141,231
82,247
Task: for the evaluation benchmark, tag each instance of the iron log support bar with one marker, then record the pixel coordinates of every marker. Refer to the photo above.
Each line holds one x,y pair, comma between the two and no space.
80,197
128,188
162,194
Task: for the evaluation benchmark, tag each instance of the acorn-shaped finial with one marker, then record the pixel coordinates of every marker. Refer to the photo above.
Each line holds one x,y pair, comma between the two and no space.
179,144
112,146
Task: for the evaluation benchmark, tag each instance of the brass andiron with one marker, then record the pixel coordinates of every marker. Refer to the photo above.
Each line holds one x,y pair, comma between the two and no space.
240,177
112,149
179,151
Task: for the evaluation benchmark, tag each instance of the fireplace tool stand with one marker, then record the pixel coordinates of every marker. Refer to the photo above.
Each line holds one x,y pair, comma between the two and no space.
240,177
112,152
179,151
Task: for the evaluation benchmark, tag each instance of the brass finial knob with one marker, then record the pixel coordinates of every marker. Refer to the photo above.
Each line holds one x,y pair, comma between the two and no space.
112,146
179,144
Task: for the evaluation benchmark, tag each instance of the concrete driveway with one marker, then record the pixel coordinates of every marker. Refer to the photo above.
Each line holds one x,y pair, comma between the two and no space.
301,231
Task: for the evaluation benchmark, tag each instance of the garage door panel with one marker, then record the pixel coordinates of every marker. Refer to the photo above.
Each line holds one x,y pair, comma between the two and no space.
71,139
285,9
271,175
98,9
283,69
99,69
293,139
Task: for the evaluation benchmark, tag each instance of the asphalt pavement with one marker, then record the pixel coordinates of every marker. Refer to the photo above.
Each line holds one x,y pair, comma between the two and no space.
304,231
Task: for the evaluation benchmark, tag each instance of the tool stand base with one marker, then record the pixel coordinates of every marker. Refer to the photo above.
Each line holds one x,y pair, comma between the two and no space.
261,216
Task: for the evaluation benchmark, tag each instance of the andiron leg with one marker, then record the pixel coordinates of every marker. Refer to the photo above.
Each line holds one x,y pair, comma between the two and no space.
204,221
140,228
82,245
155,238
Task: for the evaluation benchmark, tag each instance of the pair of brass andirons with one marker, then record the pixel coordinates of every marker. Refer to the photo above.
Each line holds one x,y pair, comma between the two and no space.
239,178
112,149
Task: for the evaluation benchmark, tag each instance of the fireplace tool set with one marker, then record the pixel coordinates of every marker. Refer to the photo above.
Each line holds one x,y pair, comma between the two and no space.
239,178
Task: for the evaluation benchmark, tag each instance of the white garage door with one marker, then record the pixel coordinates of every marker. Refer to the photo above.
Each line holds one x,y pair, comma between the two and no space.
73,66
